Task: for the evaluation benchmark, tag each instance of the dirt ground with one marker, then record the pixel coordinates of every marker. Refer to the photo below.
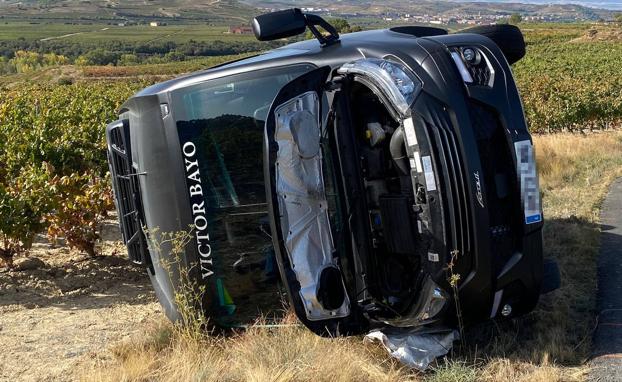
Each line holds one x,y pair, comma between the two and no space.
59,317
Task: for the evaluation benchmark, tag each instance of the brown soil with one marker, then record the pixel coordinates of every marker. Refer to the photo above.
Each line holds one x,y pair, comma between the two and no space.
600,35
55,319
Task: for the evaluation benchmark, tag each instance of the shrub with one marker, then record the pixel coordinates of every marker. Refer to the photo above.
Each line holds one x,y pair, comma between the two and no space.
128,59
174,56
23,202
80,203
65,81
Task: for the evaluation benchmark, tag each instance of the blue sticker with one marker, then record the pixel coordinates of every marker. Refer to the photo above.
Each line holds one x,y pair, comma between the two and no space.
533,219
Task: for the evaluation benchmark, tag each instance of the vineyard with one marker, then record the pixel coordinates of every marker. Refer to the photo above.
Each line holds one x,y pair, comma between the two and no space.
54,181
54,165
568,83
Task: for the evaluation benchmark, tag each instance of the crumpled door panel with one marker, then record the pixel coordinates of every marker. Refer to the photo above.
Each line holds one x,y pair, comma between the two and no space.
303,206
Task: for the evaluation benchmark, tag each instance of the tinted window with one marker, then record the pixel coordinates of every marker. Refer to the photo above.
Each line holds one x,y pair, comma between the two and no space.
221,123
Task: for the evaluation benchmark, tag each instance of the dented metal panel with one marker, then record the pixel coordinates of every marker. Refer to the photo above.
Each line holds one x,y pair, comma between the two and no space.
302,201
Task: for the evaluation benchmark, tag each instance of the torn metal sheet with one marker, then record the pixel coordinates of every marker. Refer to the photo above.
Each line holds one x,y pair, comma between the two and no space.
414,347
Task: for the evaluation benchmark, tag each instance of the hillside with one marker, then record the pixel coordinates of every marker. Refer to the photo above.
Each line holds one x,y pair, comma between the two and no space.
444,8
214,11
221,12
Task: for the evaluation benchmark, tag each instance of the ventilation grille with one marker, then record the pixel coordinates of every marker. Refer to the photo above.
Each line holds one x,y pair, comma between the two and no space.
126,191
453,182
480,73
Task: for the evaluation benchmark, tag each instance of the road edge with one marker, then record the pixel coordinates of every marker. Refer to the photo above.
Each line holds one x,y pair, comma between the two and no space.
606,360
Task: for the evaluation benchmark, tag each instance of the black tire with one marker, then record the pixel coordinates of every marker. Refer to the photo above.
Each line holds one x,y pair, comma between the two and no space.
507,37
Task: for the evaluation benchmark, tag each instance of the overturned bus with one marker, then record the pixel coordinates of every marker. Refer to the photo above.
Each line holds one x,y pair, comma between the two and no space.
380,178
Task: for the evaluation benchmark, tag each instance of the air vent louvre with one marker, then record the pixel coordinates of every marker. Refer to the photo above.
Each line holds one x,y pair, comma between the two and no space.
127,192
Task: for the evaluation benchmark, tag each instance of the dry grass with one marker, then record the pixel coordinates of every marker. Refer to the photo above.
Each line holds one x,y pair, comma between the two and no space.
289,353
550,344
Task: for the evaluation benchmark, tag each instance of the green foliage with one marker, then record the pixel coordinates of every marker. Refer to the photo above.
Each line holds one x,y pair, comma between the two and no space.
23,203
26,61
80,203
54,163
65,81
174,56
5,66
128,59
341,25
60,125
156,67
515,18
142,41
97,57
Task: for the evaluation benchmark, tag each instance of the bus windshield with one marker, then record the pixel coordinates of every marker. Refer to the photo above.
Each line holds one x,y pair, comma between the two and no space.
221,126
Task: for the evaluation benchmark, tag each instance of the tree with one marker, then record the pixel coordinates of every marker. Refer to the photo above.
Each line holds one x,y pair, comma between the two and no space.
174,55
618,18
5,66
515,18
97,57
341,25
26,61
127,59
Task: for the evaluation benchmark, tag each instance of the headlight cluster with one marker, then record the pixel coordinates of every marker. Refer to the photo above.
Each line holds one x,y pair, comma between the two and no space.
400,83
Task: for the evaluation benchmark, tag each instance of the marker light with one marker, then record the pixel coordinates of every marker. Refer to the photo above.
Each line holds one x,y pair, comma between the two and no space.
464,72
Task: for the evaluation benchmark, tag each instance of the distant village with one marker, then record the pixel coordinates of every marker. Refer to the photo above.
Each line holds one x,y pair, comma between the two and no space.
479,19
444,19
467,19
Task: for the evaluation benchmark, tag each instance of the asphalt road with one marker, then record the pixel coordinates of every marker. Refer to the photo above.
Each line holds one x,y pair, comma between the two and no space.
607,345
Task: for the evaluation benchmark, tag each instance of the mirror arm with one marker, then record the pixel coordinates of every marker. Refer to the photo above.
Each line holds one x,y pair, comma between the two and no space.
314,20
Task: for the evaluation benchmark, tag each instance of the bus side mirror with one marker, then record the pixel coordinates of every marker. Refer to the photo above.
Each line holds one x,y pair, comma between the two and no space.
292,22
280,24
